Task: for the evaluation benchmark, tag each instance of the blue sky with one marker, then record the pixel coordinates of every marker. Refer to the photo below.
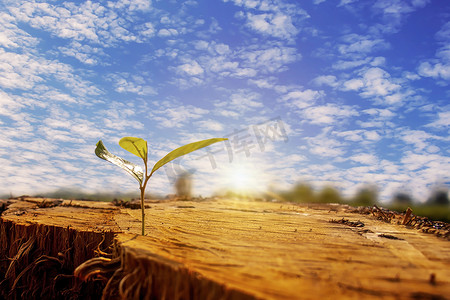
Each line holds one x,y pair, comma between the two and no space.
343,93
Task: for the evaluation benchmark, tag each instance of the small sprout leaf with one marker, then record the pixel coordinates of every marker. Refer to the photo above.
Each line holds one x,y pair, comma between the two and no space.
134,170
138,147
135,145
184,150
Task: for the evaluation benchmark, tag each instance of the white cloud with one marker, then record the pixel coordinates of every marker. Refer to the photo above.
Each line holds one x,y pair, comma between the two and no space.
329,80
355,44
176,116
396,98
345,64
394,12
433,149
66,22
245,72
271,59
222,49
276,25
436,164
127,83
211,125
351,135
131,5
444,33
439,67
353,85
302,99
245,101
238,104
364,158
375,82
83,53
443,120
435,70
411,76
57,135
378,61
20,70
372,135
242,62
13,37
145,31
10,107
119,116
356,61
326,147
167,32
221,65
346,2
191,68
60,125
25,71
275,19
246,61
328,114
262,83
380,112
443,53
86,21
395,7
369,124
222,61
417,137
228,113
201,45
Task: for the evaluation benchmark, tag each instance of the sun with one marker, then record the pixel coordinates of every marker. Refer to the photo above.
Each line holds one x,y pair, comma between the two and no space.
242,179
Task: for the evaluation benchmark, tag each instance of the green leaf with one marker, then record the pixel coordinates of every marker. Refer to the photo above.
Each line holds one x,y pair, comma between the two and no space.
134,170
135,145
184,150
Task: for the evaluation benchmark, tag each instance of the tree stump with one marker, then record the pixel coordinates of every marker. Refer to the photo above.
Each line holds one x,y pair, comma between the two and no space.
219,249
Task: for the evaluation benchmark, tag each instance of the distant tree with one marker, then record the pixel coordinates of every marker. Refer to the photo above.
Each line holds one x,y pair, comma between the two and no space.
301,192
402,199
329,195
439,197
183,185
366,196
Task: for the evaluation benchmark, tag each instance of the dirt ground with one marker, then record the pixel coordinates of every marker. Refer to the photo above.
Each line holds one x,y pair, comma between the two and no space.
245,249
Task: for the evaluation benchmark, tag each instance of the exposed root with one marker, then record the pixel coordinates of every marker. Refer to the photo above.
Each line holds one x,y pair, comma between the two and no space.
138,274
98,267
37,261
22,255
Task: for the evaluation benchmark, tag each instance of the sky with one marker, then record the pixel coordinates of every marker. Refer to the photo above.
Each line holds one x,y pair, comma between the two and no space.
341,93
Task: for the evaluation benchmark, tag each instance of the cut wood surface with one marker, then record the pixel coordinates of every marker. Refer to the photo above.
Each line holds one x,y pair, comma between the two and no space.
244,249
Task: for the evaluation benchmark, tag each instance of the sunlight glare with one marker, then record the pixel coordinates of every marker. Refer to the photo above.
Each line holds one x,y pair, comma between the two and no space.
243,179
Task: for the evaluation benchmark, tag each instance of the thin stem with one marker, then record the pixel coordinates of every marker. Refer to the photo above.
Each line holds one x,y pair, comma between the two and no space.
143,209
142,188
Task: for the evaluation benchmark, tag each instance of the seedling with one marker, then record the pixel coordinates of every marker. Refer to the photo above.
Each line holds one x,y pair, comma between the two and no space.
138,147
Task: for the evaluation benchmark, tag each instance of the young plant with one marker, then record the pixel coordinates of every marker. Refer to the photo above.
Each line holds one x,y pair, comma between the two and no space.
138,147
